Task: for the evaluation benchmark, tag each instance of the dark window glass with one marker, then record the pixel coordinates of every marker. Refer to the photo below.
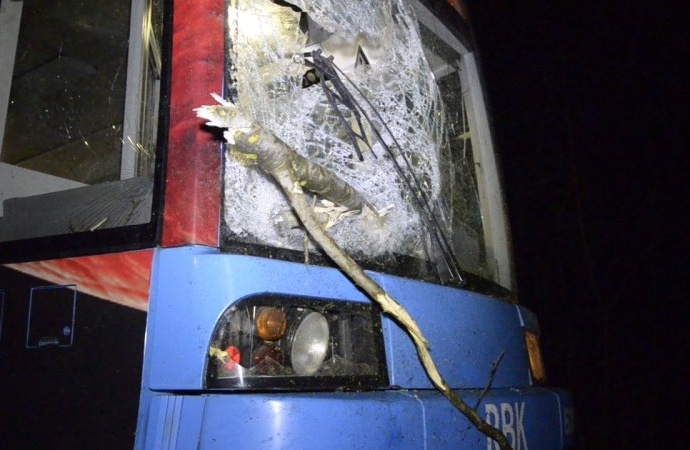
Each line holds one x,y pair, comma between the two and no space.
78,115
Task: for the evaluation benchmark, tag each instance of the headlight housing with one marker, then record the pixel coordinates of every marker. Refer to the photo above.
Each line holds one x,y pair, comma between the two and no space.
273,341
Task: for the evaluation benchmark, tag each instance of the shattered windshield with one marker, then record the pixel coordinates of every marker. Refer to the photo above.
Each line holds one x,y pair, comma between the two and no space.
373,93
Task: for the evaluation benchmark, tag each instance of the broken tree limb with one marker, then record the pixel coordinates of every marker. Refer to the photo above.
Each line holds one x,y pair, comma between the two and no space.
287,177
251,140
293,173
288,181
273,154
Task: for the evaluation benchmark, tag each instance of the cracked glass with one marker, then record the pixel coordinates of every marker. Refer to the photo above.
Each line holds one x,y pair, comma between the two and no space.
380,95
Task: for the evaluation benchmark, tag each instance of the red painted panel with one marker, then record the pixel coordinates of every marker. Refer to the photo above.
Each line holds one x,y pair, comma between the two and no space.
193,185
122,278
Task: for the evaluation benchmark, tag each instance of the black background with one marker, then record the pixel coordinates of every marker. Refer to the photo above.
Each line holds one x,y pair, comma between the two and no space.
79,397
588,108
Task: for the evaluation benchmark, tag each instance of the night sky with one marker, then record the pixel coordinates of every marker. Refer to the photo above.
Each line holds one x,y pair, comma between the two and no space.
588,109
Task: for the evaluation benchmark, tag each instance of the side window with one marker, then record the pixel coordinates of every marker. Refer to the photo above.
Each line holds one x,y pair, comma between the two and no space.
79,90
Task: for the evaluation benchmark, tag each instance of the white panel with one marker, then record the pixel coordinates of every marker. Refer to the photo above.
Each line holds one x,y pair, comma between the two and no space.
488,180
10,16
18,182
135,69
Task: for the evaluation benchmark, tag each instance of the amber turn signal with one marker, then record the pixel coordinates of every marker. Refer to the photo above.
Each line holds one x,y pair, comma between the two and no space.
536,363
270,323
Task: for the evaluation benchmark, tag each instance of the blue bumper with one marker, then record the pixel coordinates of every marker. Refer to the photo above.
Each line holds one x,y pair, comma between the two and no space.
531,418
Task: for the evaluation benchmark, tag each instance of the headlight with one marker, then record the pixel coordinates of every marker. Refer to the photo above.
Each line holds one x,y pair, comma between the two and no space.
286,342
309,344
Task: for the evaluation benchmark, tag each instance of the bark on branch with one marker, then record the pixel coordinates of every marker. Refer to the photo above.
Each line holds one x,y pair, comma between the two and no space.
273,155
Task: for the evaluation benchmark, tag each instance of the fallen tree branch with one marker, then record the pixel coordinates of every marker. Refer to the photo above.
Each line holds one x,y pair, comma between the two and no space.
274,154
293,173
284,169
